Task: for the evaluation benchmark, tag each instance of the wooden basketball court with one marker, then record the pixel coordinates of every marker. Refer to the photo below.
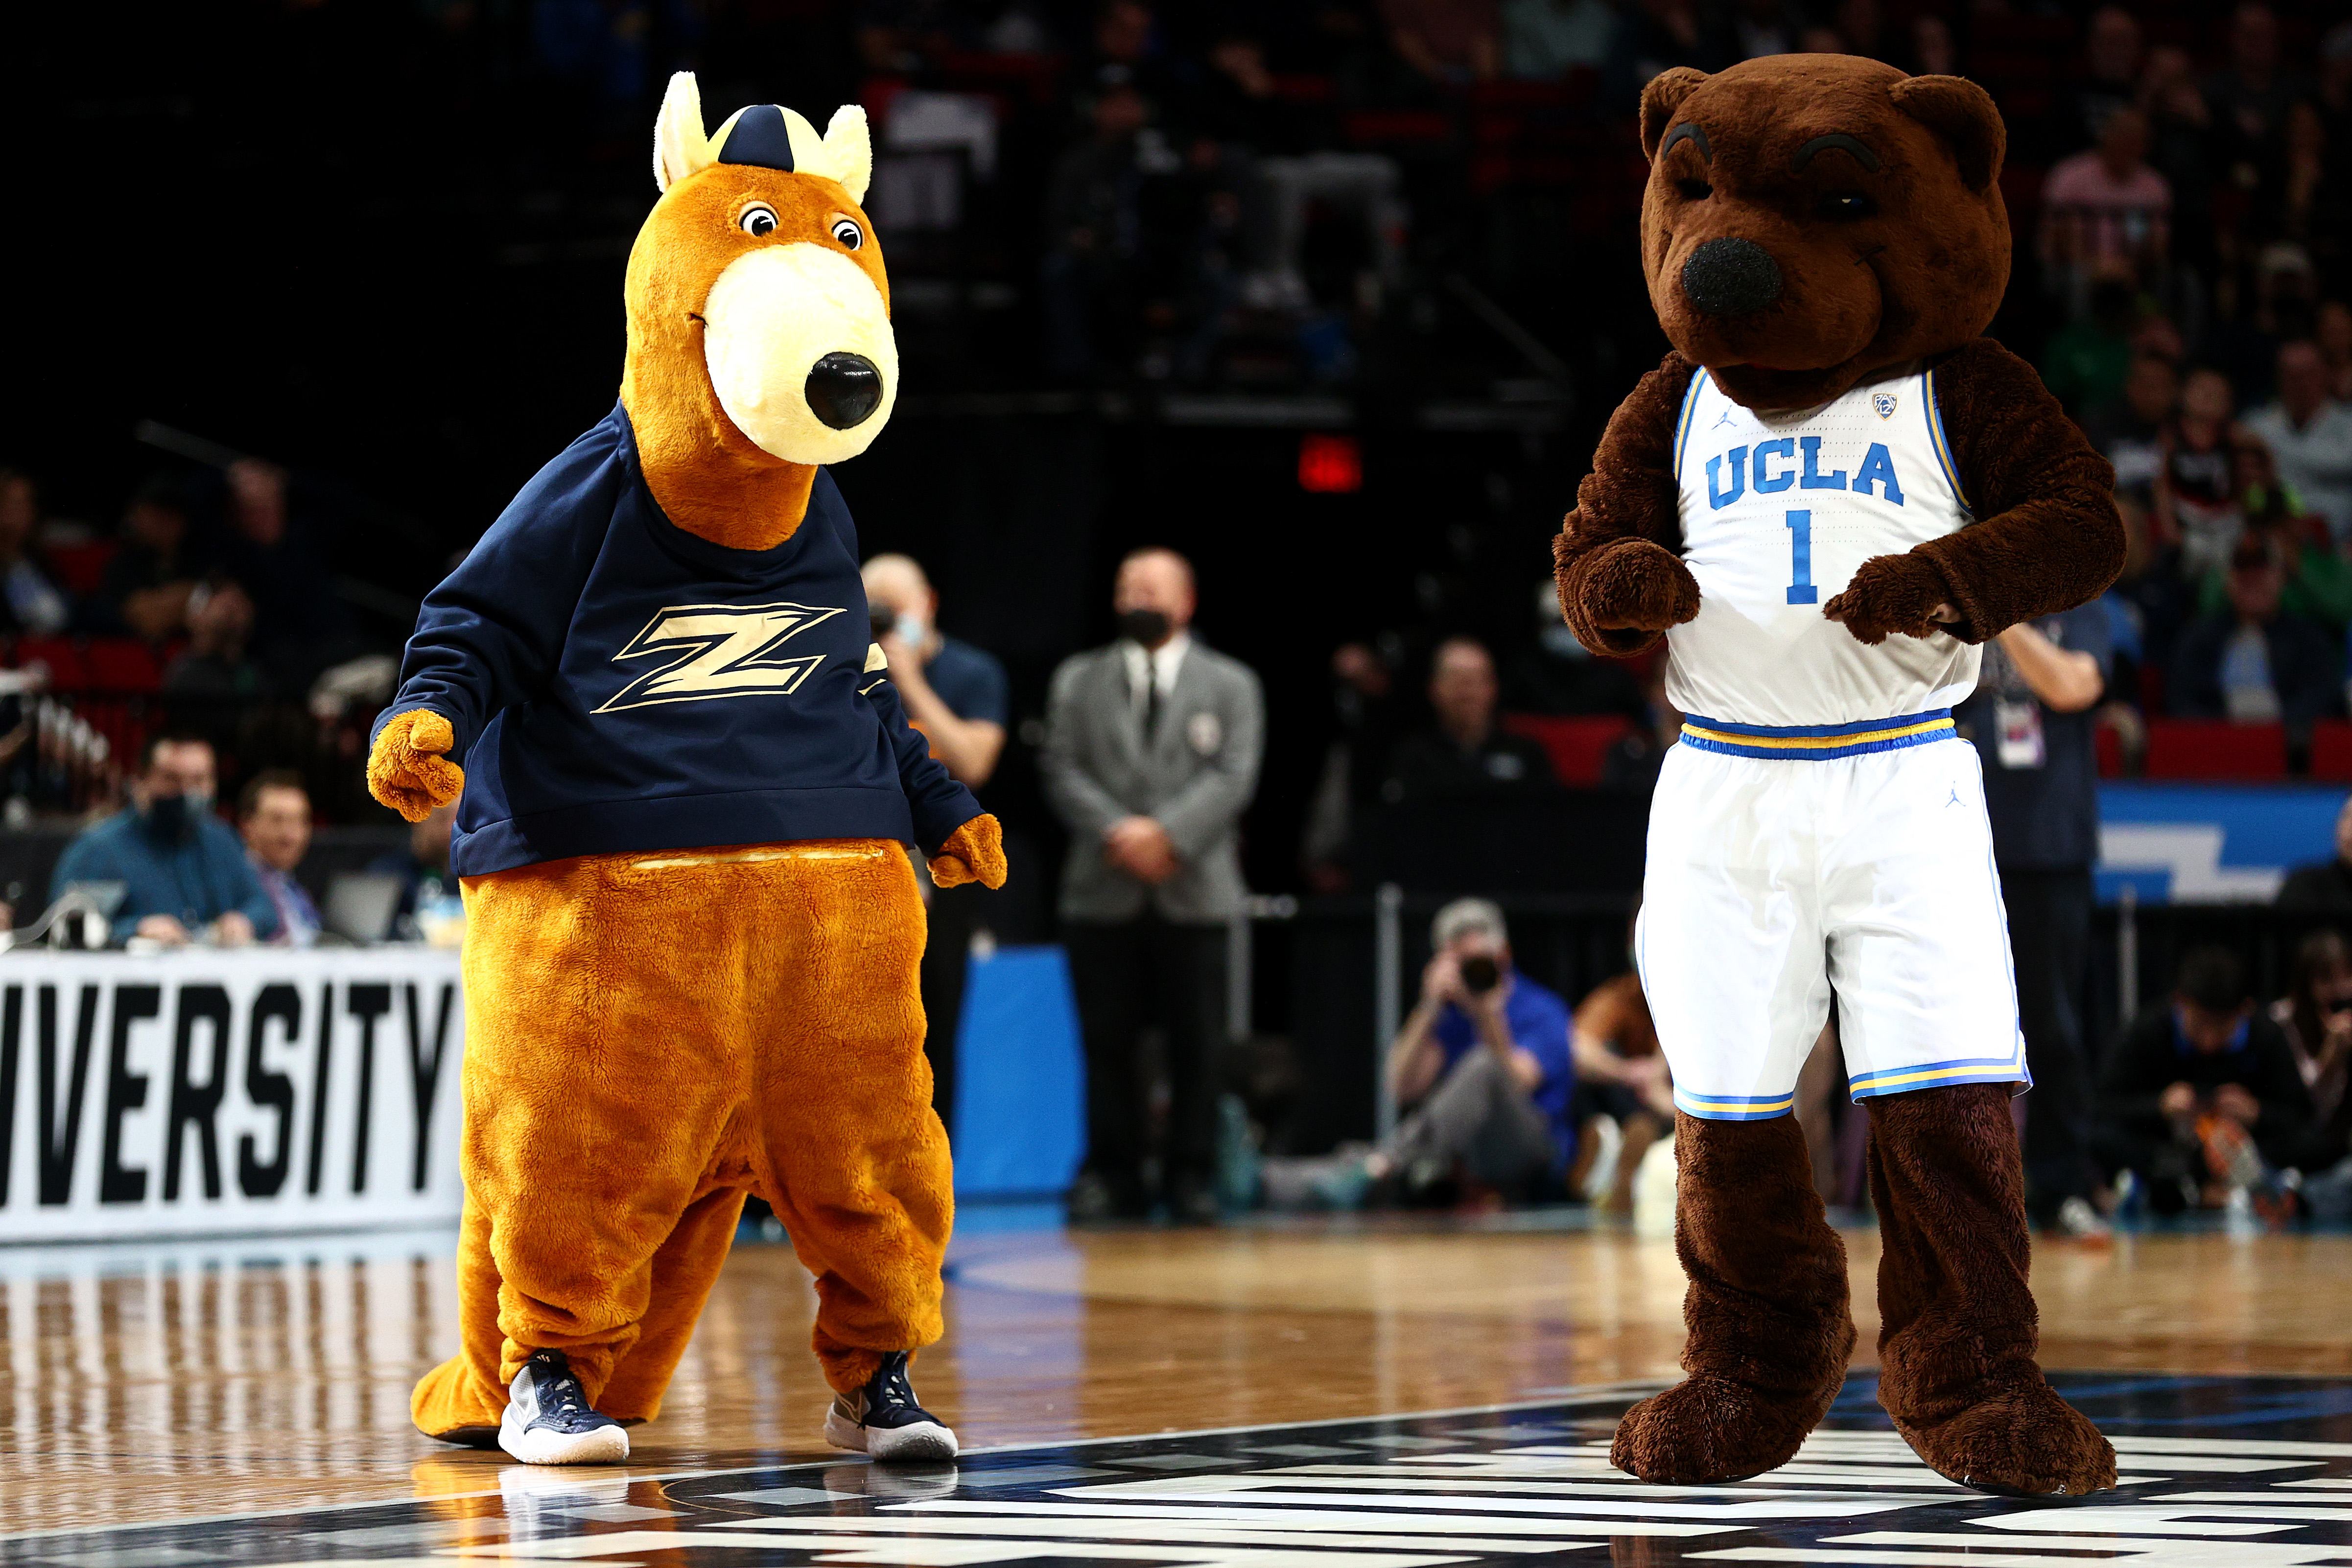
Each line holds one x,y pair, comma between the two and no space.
235,1401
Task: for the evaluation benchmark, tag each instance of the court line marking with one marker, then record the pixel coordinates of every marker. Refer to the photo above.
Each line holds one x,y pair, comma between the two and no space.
1590,1395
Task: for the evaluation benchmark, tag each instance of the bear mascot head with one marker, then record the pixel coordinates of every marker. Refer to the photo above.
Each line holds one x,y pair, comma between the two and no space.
1812,218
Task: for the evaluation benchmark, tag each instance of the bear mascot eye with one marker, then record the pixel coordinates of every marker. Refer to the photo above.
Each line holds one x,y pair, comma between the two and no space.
1695,190
759,220
848,234
1848,205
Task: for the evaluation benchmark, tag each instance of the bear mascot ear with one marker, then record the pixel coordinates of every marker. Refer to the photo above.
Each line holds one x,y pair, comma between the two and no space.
1957,109
1661,98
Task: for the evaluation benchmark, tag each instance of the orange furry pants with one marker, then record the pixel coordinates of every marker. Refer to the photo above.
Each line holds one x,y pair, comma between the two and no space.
649,1036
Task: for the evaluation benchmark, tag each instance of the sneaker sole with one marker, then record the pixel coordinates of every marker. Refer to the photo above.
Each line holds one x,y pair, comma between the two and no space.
538,1445
921,1443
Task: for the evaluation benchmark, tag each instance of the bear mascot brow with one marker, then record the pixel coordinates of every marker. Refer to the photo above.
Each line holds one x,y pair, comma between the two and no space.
1825,244
692,928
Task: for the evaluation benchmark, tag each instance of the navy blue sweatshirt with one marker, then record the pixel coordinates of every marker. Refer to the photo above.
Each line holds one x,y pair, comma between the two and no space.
617,683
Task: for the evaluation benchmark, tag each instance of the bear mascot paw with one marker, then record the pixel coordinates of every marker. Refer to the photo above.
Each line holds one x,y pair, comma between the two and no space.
1830,492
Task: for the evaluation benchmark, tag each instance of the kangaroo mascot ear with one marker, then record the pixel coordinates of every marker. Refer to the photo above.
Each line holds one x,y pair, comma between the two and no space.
849,146
680,146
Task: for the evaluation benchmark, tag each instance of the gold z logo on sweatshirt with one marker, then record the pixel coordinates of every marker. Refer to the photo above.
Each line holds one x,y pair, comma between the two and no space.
718,651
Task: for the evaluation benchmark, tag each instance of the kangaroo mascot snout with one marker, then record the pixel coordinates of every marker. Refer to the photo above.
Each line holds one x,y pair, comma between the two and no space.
692,933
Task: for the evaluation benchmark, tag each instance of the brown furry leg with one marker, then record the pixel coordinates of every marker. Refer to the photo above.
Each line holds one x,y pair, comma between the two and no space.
1769,1331
1960,1377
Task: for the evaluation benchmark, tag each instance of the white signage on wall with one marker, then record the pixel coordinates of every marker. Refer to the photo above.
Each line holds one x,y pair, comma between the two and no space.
221,1092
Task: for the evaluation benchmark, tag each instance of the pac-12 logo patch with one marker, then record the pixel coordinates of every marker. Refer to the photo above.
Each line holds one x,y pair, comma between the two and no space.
718,651
1885,404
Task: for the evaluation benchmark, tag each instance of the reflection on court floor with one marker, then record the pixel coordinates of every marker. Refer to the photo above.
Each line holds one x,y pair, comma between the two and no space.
2217,1472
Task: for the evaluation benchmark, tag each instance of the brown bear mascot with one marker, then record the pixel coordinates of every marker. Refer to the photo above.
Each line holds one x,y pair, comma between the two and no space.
692,931
1826,497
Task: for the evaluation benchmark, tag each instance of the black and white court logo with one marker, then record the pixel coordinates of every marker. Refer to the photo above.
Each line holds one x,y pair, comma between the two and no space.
2216,1473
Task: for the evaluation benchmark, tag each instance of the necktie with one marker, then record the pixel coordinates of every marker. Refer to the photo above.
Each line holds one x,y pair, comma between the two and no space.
1150,704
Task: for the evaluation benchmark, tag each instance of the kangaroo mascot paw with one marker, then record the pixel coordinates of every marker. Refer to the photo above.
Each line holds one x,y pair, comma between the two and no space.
408,768
973,852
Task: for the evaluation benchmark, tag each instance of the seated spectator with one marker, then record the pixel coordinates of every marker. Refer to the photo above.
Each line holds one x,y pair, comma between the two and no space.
2335,334
2323,886
2318,577
2195,515
2309,435
273,816
279,556
1555,673
215,665
146,587
184,876
423,867
2193,1080
2315,1016
1450,42
2180,137
1621,1074
2256,663
1094,222
2129,430
1483,1063
2111,51
1544,39
29,601
1467,754
2106,208
2087,360
954,693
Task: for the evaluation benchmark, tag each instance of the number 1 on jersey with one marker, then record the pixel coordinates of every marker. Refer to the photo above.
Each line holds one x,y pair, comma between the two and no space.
1801,551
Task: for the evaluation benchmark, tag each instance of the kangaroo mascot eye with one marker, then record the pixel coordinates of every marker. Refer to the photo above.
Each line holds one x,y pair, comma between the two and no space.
848,234
759,220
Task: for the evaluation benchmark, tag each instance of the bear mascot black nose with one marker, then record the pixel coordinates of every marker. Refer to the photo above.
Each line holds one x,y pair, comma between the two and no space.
843,390
1731,278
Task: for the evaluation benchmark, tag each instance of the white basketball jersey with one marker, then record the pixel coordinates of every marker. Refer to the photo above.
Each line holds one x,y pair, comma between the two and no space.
1778,511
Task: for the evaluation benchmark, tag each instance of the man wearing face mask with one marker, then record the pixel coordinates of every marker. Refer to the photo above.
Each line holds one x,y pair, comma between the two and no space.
1151,754
955,694
184,873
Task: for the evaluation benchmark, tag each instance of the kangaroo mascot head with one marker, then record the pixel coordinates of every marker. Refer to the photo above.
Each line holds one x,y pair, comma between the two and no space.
760,342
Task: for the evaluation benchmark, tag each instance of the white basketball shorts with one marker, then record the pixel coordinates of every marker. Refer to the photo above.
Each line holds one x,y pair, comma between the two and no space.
1787,865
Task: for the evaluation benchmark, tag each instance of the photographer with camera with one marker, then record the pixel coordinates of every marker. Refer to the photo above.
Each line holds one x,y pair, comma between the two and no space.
1483,1060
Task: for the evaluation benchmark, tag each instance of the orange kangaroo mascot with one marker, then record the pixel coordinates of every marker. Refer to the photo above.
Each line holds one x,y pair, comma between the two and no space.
692,934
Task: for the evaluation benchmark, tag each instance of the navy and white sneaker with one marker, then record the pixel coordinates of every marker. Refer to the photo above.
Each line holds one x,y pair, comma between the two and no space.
549,1422
882,1419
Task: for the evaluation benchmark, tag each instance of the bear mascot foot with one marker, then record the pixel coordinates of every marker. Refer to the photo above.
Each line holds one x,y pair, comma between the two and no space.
1767,1310
2020,1441
1960,1326
1708,1429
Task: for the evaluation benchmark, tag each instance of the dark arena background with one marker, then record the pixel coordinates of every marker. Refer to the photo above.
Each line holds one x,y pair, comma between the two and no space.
1334,298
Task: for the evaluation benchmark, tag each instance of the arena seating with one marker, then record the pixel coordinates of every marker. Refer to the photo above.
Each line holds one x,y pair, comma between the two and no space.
2216,749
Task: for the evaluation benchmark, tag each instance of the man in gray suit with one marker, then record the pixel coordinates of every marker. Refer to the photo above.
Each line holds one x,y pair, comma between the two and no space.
1151,754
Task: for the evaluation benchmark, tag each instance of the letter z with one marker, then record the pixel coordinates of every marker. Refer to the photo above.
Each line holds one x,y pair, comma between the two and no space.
721,651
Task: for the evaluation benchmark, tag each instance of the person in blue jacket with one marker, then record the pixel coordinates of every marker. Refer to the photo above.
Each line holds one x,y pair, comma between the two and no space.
182,870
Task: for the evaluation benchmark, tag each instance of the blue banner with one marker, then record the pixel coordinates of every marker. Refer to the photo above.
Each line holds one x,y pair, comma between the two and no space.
2212,844
1021,1081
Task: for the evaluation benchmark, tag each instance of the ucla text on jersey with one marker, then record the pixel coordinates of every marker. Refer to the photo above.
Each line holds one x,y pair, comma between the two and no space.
1779,509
